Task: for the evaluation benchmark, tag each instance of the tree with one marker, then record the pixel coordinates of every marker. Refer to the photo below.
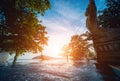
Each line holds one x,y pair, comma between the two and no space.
78,46
66,51
22,6
19,29
110,16
41,38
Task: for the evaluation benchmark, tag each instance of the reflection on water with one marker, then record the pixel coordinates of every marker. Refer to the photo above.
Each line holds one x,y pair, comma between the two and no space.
55,70
25,60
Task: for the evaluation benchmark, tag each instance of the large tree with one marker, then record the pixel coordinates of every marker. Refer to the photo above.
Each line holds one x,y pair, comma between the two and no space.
110,16
19,25
78,47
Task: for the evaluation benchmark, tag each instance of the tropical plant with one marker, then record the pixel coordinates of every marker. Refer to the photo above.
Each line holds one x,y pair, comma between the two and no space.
66,51
18,30
78,47
42,38
110,16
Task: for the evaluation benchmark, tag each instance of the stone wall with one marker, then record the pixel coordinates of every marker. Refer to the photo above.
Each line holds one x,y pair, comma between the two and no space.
108,50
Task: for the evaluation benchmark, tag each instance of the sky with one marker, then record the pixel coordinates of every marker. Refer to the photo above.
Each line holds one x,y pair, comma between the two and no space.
64,19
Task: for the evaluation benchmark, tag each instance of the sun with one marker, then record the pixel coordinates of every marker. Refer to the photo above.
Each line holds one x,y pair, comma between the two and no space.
55,52
55,45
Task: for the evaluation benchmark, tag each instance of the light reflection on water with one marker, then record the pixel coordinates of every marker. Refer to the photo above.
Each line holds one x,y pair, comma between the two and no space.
65,71
24,60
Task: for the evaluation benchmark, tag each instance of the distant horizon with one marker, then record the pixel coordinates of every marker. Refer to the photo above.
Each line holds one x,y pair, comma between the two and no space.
32,56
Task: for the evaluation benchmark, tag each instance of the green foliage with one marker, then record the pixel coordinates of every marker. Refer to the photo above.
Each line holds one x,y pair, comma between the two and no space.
21,7
110,16
19,28
35,6
78,46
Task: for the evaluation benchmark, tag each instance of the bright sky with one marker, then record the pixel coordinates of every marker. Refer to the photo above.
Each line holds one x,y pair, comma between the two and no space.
65,18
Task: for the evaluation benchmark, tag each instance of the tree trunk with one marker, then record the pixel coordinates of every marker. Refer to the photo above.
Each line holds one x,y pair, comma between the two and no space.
42,57
15,58
67,57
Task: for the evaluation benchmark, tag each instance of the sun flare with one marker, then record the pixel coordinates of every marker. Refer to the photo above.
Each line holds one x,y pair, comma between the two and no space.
55,51
54,47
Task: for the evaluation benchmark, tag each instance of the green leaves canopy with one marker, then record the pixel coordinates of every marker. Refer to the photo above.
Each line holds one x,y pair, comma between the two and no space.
19,25
78,46
35,6
110,16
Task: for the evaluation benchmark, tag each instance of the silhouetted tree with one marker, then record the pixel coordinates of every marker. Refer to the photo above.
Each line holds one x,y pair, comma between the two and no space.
19,25
41,36
110,16
66,51
78,47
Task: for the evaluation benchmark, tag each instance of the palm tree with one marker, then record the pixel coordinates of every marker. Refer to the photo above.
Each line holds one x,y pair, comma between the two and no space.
41,36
